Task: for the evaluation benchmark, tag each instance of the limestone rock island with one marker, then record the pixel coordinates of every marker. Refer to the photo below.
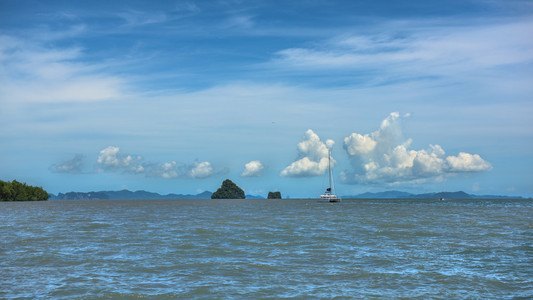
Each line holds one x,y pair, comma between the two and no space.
274,195
228,190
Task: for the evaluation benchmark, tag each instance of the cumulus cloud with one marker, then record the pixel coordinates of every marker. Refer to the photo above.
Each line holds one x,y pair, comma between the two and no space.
313,157
111,158
466,162
72,166
253,169
201,170
384,156
165,170
357,143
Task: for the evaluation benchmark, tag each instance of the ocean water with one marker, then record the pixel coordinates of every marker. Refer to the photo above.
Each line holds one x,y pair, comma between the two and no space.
266,249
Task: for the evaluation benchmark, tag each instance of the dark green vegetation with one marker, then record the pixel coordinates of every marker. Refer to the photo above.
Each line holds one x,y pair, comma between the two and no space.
16,191
274,195
228,190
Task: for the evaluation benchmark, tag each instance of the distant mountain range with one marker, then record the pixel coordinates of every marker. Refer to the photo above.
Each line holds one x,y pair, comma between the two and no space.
126,194
444,195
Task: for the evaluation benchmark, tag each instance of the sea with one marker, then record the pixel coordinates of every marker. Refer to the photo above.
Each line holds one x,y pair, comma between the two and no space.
267,249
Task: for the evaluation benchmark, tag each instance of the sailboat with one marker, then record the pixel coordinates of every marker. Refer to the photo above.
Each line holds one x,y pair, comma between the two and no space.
330,191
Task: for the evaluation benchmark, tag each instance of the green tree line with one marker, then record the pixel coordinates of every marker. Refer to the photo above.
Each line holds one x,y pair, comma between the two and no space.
16,191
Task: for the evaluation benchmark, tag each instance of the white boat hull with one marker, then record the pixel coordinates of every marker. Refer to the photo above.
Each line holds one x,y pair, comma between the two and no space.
330,198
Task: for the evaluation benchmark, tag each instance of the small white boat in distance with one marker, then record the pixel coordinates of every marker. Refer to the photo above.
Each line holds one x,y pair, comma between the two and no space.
330,191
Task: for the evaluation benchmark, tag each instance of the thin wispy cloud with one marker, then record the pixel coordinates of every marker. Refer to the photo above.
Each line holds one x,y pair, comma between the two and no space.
139,18
71,166
412,50
239,22
34,72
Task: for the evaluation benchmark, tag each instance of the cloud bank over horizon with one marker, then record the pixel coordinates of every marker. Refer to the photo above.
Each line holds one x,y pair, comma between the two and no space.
313,157
383,156
112,159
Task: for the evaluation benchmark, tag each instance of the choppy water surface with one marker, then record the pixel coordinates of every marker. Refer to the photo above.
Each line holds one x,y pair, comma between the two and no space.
267,249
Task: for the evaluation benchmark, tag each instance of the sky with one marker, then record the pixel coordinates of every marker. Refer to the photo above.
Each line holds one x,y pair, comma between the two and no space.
176,96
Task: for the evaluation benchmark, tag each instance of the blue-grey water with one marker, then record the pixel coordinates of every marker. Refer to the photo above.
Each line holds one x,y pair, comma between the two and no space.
254,249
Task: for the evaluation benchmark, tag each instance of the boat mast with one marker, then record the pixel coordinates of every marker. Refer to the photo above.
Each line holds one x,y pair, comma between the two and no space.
332,192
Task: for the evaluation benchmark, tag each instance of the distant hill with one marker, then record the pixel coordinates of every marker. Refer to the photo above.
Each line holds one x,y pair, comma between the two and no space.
444,195
126,194
382,195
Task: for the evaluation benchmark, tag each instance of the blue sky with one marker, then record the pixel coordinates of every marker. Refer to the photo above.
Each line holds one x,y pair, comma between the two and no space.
176,96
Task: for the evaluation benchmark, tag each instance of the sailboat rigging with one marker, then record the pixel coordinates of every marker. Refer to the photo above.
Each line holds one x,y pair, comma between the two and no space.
330,191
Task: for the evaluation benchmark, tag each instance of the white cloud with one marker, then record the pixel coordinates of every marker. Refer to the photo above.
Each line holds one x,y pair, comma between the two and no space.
313,159
34,71
379,157
201,170
167,170
357,143
421,49
72,166
138,169
137,18
239,21
253,169
466,162
111,158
